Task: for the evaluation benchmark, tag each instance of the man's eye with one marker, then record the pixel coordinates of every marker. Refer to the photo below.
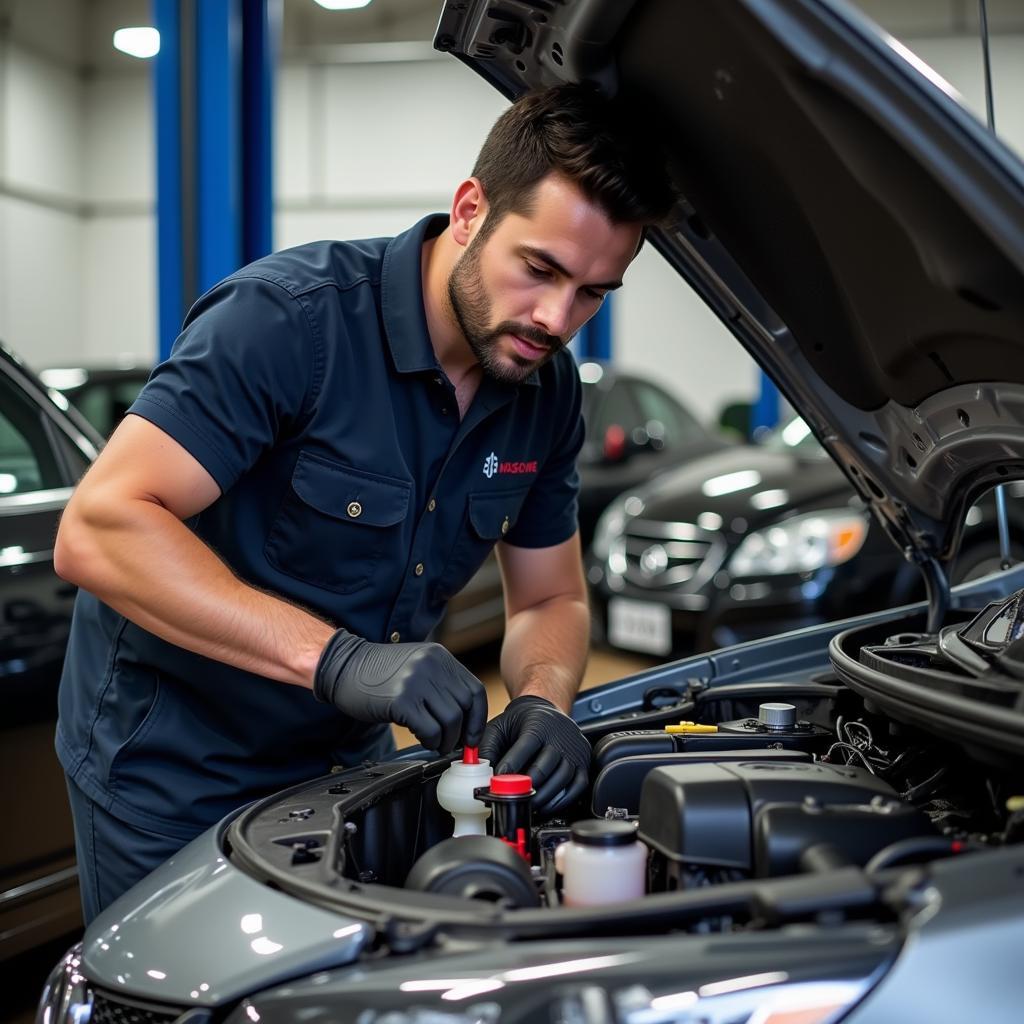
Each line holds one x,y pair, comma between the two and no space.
590,293
538,272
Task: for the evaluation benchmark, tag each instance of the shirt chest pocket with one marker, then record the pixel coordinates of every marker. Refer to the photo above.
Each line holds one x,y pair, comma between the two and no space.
336,524
489,516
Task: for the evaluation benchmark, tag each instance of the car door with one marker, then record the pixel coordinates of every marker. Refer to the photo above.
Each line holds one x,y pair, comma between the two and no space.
39,461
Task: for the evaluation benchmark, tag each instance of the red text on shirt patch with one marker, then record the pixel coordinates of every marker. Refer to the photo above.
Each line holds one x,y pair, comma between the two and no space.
518,467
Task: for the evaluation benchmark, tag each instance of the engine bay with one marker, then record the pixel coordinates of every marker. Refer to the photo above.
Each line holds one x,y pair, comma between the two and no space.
744,804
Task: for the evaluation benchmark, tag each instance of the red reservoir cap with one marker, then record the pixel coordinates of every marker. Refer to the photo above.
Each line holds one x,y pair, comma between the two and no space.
511,785
470,755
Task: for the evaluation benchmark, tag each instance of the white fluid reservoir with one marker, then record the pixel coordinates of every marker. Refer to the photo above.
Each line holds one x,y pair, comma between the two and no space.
604,862
455,795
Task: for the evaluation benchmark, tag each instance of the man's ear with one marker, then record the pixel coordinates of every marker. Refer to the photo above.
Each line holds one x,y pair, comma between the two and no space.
469,208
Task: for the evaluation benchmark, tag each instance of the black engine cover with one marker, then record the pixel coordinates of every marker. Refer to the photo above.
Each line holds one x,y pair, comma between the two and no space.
758,816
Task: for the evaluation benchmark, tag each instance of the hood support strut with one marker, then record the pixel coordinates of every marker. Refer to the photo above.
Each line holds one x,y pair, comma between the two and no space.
937,588
990,116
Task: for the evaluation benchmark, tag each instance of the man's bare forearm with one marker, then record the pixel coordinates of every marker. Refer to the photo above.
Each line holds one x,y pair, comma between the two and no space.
140,559
545,650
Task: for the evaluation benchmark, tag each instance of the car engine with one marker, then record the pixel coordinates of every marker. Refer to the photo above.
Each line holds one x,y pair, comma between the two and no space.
720,787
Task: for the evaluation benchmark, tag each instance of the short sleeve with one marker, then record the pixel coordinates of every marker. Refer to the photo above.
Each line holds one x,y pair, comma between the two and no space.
550,513
238,376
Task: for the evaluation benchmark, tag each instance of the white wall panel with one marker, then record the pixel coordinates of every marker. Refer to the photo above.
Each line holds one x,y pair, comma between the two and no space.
296,227
42,125
119,302
40,299
119,151
50,27
403,129
663,329
293,143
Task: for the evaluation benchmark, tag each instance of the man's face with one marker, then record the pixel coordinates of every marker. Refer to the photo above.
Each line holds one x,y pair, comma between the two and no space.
521,293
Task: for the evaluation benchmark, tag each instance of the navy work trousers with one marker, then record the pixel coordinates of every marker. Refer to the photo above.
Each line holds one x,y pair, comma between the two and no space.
112,855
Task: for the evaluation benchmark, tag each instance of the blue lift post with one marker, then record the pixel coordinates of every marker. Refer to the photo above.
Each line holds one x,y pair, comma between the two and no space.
765,413
214,94
595,338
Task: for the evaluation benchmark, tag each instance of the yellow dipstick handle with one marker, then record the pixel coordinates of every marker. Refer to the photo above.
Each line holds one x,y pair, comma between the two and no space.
689,727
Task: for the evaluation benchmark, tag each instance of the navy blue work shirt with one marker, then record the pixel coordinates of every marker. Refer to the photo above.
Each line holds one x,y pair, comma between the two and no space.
307,386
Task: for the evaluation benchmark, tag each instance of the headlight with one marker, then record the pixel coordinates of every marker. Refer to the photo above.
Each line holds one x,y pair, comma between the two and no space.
801,544
67,997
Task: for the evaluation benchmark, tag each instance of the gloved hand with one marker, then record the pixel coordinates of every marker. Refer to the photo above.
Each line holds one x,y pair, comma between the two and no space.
533,737
418,685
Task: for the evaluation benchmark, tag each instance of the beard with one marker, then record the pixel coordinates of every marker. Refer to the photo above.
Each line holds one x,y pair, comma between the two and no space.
471,308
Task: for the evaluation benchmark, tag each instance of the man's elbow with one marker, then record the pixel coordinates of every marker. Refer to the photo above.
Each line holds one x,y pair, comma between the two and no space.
75,549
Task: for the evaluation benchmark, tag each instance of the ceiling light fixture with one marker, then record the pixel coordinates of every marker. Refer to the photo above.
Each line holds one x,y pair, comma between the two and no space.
139,42
343,5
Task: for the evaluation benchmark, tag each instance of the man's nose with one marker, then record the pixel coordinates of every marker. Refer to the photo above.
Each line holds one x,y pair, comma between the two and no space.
553,313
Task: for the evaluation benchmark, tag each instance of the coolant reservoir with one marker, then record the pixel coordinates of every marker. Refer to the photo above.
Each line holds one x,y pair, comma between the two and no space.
455,793
604,862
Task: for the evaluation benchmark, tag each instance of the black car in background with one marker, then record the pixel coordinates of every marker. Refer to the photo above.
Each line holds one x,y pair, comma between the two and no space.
101,393
634,429
45,446
757,540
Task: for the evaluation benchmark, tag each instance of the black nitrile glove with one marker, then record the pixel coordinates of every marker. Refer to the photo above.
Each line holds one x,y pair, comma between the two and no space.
418,685
533,737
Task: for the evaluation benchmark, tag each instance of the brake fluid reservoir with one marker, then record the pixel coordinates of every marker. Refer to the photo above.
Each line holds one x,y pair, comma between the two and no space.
455,793
604,862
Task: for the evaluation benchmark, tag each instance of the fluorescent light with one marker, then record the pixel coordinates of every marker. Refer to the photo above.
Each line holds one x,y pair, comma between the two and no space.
63,377
137,42
342,5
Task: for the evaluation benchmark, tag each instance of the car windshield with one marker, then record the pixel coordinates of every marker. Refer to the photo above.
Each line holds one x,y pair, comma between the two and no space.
793,436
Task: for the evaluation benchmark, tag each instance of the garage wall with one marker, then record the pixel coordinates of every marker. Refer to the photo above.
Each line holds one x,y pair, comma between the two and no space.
119,271
77,235
40,224
366,149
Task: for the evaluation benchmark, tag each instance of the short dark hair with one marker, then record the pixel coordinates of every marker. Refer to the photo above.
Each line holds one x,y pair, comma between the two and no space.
574,130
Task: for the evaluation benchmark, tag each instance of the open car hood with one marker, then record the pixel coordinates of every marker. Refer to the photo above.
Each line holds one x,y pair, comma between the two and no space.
855,227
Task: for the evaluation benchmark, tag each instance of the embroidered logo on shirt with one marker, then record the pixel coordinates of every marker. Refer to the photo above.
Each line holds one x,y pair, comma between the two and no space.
492,466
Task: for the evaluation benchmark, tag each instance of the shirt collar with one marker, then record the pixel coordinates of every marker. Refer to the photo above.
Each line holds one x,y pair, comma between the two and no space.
401,286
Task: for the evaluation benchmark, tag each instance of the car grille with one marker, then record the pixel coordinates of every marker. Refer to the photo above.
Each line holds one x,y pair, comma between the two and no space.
654,555
108,1008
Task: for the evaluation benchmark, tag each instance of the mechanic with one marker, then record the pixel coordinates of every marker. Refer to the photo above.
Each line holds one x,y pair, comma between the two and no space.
342,433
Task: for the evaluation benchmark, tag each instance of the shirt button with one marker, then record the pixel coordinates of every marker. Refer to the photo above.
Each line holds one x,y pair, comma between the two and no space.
504,527
431,505
355,510
395,637
419,569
